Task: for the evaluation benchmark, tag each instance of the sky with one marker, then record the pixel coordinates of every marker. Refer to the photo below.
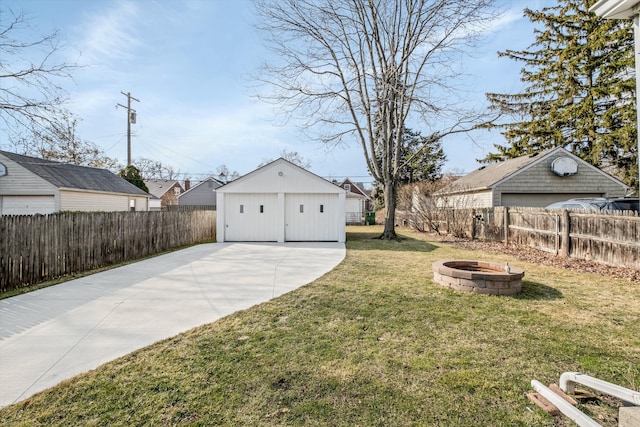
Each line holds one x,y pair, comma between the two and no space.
190,64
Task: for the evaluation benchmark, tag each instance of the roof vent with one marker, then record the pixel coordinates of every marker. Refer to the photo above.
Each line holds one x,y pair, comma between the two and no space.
533,155
3,170
481,167
564,166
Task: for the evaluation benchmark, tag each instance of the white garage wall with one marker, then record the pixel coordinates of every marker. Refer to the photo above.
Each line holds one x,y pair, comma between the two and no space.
353,210
288,186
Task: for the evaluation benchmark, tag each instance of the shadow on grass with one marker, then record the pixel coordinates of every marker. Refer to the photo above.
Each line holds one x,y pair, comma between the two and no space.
370,241
538,291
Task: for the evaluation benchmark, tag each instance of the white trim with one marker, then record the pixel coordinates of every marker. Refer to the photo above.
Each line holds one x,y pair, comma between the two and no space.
80,190
616,9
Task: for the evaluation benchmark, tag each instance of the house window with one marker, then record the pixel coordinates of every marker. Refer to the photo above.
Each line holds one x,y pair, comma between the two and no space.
301,208
321,208
347,187
176,191
261,208
241,208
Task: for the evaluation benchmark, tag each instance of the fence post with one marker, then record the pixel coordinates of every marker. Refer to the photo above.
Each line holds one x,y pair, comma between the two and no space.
506,225
565,241
473,224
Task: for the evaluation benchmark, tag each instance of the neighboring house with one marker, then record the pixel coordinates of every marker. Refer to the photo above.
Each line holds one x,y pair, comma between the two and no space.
356,203
166,190
280,202
202,194
155,204
536,180
29,185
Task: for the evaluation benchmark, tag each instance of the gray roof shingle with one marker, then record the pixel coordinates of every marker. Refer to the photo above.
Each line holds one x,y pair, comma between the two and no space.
64,175
487,176
158,187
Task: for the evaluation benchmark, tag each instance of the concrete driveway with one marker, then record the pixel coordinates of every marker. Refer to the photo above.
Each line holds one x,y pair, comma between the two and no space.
55,333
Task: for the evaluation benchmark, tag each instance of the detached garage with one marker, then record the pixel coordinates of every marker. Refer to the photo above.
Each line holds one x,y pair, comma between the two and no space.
280,202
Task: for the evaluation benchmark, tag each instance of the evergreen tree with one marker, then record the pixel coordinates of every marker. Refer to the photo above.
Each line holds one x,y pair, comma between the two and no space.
132,174
421,160
422,157
579,90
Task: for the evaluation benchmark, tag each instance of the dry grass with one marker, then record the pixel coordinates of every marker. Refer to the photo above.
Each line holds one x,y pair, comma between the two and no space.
373,342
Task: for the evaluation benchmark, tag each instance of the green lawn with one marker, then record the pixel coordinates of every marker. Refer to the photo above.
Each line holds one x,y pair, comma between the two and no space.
372,343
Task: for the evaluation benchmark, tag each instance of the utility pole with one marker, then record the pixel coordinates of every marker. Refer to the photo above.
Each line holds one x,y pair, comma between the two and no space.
131,118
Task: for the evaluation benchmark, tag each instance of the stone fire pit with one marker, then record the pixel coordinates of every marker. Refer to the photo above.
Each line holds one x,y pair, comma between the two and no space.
481,277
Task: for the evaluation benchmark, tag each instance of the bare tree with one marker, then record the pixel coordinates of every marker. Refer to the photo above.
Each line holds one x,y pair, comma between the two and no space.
30,75
356,64
155,169
225,175
427,209
57,140
291,156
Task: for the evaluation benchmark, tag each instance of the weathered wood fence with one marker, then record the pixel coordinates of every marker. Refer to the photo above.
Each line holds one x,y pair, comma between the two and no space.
37,248
608,237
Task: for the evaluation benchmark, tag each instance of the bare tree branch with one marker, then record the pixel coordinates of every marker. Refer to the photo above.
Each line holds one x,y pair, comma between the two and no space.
31,73
361,68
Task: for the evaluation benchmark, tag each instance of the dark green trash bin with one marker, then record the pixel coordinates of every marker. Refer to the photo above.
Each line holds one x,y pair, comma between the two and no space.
369,218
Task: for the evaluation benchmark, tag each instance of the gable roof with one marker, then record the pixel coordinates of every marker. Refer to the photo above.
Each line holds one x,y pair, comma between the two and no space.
204,181
286,176
354,188
158,187
66,175
487,177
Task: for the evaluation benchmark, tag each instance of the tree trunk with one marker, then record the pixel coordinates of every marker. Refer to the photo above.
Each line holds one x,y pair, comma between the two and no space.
390,200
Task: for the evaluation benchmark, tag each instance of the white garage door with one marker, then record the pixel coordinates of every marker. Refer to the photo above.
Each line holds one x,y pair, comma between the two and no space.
27,205
311,217
251,218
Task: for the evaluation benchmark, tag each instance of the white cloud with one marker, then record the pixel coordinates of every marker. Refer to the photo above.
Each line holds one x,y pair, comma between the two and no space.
111,34
507,18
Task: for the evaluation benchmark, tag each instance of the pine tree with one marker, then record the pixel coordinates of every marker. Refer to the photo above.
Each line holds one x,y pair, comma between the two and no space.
579,90
132,174
422,157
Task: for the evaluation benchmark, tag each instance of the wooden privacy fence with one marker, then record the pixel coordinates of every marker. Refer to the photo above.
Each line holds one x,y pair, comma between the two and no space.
608,237
36,248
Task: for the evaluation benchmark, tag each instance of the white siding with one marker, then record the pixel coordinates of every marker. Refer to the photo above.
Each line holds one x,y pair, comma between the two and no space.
86,201
353,210
141,203
280,176
279,186
155,204
480,199
27,205
305,221
19,181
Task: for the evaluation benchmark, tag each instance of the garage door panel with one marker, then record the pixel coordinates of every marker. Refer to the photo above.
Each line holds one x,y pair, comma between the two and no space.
27,205
251,217
311,217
